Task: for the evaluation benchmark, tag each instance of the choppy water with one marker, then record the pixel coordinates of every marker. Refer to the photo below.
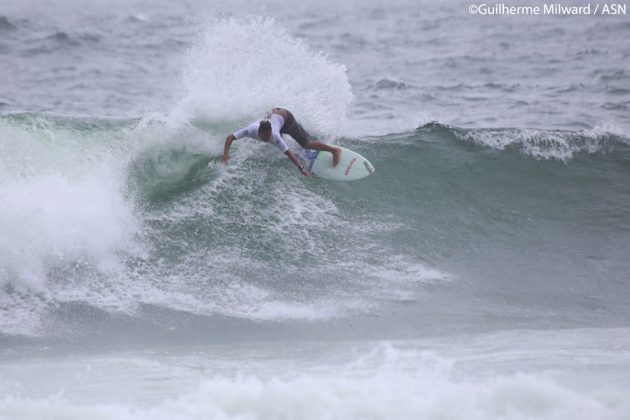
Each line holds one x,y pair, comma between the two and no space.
481,272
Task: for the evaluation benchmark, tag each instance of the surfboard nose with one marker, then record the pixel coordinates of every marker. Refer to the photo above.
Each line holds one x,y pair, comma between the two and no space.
368,166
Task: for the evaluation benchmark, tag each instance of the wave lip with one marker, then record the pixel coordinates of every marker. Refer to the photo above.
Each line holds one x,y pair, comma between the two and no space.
542,144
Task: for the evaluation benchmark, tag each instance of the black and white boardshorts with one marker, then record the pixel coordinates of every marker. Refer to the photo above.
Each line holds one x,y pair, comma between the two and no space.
295,130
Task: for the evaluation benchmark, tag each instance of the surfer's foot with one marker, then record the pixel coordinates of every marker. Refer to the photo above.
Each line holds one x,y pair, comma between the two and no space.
336,156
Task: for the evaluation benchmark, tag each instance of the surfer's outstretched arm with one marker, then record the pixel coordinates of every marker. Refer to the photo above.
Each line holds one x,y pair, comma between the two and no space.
297,163
226,149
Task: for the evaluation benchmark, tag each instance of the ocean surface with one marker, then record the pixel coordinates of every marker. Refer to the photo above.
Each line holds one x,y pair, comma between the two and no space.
482,272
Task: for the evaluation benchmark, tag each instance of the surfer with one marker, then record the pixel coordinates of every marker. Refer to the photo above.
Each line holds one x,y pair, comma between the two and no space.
280,121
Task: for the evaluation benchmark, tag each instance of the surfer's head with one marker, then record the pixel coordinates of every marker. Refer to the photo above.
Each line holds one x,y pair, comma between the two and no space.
264,130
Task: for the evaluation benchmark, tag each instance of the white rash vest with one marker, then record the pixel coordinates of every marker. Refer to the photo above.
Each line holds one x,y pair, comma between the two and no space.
251,131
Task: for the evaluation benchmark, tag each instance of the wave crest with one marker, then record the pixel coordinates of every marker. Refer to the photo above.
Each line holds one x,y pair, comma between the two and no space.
538,143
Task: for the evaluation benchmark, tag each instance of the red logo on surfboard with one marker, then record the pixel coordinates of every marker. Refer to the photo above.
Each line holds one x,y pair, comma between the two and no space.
350,166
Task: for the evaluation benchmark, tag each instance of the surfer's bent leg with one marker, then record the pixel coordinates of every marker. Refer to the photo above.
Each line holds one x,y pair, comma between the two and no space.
295,130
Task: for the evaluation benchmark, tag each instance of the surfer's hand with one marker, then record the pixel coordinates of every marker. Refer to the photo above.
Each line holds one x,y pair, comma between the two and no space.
225,158
305,172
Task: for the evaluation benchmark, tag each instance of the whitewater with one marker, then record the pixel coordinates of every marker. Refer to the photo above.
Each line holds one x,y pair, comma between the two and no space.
480,273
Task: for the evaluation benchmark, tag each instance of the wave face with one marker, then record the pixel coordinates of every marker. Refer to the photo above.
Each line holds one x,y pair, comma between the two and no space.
132,224
124,216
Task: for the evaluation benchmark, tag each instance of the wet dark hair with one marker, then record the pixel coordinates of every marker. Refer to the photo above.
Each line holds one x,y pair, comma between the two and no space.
264,126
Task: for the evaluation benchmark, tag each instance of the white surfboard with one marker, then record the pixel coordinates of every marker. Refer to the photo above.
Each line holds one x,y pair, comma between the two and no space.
352,166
